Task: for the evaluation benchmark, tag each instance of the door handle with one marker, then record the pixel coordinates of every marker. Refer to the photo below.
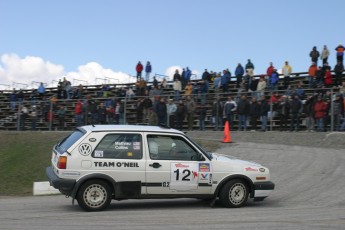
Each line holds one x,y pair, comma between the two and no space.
155,165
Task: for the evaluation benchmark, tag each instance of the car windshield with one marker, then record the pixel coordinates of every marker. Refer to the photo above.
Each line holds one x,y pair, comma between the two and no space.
69,141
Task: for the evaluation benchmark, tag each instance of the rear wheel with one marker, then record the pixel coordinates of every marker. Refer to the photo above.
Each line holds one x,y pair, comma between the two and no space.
234,194
94,195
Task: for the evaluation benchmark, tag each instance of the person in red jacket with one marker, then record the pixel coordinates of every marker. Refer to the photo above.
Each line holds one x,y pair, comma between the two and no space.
78,111
270,70
139,68
328,78
319,113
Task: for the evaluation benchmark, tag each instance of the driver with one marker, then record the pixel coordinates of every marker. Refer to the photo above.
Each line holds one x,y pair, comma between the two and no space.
153,148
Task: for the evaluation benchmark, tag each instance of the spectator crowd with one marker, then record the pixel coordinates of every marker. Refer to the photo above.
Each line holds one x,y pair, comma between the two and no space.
245,100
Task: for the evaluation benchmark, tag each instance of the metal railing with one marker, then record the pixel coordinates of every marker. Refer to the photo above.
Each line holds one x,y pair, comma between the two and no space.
48,118
19,85
76,81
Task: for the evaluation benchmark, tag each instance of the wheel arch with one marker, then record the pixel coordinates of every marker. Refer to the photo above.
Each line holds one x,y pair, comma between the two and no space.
97,176
236,176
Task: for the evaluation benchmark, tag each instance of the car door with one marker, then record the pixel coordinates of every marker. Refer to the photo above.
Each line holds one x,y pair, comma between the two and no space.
175,166
120,155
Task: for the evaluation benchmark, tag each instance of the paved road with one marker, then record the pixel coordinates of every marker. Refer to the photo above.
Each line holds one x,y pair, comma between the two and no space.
309,194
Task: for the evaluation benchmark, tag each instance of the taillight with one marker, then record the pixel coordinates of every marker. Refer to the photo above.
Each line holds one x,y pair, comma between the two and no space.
62,163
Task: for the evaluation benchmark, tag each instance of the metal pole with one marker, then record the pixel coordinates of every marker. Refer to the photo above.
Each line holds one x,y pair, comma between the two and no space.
332,107
50,116
124,111
271,111
18,116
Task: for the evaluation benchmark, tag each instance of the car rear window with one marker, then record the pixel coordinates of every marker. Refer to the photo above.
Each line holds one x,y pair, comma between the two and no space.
69,141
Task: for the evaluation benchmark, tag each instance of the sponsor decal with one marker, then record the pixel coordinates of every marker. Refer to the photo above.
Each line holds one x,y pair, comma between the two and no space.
204,175
195,174
85,149
179,165
92,139
122,145
136,147
250,169
98,153
204,167
116,164
262,170
129,154
184,176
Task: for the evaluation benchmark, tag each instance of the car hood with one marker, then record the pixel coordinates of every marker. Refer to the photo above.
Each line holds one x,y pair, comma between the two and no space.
226,158
231,163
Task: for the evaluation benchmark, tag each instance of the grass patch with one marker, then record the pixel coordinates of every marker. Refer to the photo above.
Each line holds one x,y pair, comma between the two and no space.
24,157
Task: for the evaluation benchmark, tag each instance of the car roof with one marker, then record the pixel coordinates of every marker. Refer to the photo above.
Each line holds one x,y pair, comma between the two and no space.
137,128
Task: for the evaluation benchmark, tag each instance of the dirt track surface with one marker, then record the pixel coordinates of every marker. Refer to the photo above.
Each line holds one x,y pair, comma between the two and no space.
309,194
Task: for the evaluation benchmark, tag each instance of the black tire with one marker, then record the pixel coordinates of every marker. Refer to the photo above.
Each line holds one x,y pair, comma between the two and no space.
234,193
94,195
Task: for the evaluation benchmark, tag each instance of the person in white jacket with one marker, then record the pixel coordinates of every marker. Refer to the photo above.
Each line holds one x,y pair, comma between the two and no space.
171,109
261,87
177,88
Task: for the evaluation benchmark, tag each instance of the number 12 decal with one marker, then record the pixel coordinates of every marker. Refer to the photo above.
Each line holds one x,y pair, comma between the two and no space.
184,176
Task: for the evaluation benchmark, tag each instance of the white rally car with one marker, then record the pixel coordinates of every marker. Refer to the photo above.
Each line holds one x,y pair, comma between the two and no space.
96,164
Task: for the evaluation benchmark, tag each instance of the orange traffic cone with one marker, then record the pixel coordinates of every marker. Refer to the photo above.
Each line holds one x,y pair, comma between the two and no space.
227,137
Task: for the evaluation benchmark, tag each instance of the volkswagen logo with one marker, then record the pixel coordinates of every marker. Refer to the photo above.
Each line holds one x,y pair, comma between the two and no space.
85,149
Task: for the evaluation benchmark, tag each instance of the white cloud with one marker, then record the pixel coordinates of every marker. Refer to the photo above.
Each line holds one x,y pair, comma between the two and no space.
28,70
93,73
15,70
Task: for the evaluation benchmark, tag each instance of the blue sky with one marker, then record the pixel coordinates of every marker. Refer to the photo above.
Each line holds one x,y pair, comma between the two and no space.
44,40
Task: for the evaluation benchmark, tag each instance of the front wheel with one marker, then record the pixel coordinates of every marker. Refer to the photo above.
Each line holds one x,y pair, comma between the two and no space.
94,195
234,194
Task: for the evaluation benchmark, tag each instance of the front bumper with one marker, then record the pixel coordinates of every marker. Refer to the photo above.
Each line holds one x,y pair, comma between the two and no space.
65,186
262,190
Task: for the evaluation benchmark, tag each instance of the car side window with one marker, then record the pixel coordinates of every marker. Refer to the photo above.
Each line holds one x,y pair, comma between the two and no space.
119,146
163,147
